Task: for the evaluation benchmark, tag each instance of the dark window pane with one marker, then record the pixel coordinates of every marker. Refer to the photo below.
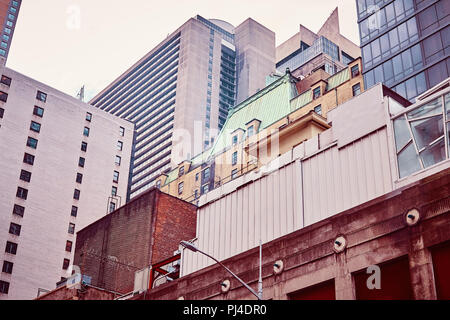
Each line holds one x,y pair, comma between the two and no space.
76,194
432,45
4,287
41,96
79,178
69,246
11,247
7,267
66,264
25,175
18,210
28,158
38,111
86,131
88,116
6,80
3,96
22,193
71,228
32,143
84,146
81,161
14,229
437,73
427,18
34,126
74,211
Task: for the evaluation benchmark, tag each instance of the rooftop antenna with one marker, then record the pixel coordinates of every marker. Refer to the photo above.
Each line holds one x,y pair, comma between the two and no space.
80,94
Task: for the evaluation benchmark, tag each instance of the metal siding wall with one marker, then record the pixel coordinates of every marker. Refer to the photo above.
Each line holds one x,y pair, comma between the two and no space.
267,208
336,180
333,180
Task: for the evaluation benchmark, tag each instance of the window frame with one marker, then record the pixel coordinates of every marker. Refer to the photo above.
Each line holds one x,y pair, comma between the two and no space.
41,96
37,111
11,247
17,228
32,142
25,175
6,80
37,127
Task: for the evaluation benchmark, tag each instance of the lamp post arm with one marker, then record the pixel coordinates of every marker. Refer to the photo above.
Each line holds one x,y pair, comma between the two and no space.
231,272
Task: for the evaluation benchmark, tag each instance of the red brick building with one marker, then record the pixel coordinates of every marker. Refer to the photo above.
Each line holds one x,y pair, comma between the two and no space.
145,231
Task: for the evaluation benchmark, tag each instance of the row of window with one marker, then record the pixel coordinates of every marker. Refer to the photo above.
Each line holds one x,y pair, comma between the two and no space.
384,18
21,193
390,43
7,30
77,192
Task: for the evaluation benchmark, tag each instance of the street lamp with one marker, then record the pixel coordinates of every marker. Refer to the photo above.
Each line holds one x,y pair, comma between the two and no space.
193,248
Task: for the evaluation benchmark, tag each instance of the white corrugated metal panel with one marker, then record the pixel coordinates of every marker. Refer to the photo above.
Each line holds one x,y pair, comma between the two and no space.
289,198
338,179
266,208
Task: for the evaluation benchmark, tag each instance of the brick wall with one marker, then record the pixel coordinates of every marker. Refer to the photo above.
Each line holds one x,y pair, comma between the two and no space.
146,230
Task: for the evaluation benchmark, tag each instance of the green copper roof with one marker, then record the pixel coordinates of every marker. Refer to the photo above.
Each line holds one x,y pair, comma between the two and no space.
268,105
337,79
301,100
171,175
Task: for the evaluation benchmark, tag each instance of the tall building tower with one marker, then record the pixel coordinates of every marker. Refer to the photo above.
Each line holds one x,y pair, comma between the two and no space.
64,165
9,10
405,43
179,94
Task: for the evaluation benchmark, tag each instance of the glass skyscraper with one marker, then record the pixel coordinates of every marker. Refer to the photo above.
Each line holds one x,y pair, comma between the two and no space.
183,90
405,43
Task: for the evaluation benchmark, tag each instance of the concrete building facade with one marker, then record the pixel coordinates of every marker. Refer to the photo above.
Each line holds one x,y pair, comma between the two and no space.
180,93
65,164
405,43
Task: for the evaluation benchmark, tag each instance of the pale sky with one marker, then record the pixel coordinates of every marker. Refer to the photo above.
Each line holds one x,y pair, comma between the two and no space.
68,43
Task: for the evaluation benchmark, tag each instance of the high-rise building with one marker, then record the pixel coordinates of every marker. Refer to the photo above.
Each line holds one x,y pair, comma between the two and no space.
405,43
9,10
179,94
64,164
306,51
